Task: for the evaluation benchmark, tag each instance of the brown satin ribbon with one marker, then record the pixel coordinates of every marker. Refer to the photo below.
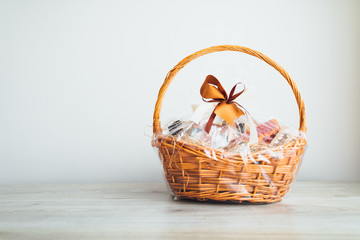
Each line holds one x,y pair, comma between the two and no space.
226,108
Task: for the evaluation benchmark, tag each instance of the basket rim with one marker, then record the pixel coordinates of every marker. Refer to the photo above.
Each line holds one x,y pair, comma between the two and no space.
218,152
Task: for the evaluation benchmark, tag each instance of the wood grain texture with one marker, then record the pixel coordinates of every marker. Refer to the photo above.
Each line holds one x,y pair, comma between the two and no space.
146,211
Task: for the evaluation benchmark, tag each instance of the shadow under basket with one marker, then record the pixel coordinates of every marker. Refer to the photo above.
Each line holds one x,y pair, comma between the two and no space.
199,173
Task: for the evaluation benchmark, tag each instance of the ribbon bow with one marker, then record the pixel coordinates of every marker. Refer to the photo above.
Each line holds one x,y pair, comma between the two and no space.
226,108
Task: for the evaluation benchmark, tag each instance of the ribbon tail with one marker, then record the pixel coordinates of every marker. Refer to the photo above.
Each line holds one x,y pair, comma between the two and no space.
210,121
228,112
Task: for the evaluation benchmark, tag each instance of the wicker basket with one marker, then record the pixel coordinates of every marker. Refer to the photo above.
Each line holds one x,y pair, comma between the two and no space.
192,174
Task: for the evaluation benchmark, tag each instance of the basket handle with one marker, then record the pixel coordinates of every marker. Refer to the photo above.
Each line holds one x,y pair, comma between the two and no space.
170,76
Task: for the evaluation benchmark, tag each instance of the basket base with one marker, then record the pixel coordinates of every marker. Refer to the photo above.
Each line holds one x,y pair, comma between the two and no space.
210,201
230,197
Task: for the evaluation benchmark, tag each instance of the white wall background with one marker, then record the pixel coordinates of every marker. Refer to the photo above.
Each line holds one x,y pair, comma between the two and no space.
79,80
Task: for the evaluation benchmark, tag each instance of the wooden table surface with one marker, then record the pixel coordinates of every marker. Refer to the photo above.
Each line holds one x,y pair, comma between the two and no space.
312,210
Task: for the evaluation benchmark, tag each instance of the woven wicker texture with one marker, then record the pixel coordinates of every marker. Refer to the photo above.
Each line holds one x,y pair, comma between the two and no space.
199,173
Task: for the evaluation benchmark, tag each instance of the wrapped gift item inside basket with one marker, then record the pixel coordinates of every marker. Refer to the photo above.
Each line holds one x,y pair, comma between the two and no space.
222,153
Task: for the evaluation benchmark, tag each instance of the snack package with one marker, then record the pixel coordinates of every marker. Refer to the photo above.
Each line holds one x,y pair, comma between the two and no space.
223,153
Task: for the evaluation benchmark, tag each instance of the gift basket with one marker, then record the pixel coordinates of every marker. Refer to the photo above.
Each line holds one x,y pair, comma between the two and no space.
222,153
